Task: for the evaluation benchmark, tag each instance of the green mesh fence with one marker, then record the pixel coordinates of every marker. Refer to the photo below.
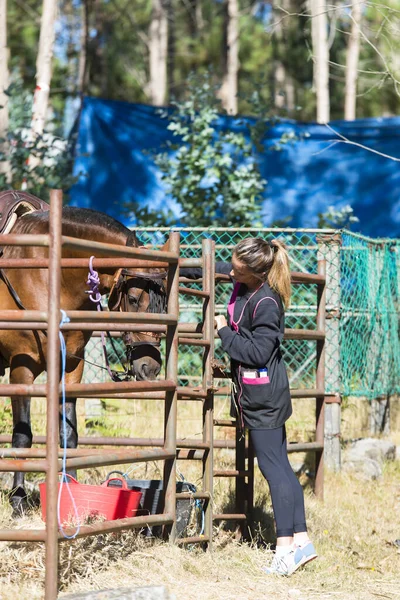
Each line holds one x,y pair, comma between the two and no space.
369,316
362,325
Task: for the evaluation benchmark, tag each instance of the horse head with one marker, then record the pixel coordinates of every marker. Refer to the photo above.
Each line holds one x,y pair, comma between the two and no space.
142,291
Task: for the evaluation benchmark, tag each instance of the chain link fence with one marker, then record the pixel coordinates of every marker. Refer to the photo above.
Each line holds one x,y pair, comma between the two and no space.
362,326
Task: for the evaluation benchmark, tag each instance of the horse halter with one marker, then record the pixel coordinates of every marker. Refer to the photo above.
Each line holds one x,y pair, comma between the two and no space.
118,299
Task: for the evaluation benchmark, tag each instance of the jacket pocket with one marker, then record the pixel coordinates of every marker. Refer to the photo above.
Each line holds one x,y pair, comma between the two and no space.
255,392
257,381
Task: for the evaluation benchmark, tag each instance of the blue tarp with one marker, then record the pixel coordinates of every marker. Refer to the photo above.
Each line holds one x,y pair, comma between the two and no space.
114,164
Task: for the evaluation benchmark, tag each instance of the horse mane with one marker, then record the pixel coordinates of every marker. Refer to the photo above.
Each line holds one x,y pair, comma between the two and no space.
157,297
77,222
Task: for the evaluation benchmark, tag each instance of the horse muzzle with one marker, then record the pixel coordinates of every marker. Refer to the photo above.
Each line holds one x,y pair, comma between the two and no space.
144,360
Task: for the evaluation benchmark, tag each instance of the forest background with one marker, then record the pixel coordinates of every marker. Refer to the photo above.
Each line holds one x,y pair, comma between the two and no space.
305,60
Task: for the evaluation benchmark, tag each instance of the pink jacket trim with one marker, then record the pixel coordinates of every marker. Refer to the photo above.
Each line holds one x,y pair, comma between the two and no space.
265,298
257,381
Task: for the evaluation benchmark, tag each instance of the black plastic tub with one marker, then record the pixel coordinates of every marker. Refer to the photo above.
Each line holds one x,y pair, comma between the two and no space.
152,501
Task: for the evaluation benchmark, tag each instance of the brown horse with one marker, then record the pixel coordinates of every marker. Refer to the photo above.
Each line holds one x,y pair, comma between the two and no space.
25,351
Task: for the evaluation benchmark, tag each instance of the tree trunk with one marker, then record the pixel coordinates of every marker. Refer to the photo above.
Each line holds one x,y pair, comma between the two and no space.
196,20
319,29
43,72
83,54
199,15
353,51
4,166
158,47
284,92
171,48
229,89
44,66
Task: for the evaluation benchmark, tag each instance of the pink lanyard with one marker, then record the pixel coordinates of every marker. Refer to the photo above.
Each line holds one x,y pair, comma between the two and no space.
232,302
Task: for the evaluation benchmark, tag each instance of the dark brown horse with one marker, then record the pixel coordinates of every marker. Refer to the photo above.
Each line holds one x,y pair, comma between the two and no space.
25,351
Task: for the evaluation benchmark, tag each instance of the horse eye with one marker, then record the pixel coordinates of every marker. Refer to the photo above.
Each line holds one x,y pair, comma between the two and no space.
133,301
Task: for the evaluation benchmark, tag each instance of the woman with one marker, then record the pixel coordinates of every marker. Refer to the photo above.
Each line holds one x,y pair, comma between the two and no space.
252,337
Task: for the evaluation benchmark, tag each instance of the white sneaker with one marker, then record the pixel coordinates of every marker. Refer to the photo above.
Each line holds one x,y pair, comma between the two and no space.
308,553
285,565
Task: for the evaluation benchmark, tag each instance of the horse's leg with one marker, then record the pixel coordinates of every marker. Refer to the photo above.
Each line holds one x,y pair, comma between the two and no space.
22,434
71,425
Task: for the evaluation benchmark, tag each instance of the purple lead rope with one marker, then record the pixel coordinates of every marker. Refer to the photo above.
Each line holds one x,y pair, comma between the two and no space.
93,281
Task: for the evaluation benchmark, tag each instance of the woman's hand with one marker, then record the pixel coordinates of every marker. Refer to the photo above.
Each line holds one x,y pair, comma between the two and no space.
220,321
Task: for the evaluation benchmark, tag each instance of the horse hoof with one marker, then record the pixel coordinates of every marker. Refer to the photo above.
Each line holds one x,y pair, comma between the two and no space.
19,502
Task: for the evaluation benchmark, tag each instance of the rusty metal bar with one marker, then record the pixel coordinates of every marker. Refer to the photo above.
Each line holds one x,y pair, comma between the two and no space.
240,473
23,535
122,317
118,524
304,447
52,393
24,466
194,495
39,535
320,383
208,260
250,478
191,392
230,517
194,292
304,393
25,315
230,473
190,454
117,250
88,317
116,441
19,453
333,399
194,342
190,262
114,327
23,239
181,394
133,456
298,277
224,423
39,390
74,389
196,539
149,443
171,397
80,263
145,395
304,334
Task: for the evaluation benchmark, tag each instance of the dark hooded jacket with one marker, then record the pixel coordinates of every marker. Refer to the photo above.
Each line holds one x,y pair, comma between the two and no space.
252,340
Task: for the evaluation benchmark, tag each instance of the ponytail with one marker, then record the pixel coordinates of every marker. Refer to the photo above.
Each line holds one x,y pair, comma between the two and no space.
268,261
279,278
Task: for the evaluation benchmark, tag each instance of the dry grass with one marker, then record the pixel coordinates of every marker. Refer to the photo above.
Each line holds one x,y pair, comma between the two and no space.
353,530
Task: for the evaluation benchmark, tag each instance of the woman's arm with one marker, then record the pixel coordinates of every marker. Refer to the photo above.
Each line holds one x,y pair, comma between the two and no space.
221,267
265,334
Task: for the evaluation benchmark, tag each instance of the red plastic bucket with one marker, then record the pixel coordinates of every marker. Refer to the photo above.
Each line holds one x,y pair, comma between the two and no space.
94,500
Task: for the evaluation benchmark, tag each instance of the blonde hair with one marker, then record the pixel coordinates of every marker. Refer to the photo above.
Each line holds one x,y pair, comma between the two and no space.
268,261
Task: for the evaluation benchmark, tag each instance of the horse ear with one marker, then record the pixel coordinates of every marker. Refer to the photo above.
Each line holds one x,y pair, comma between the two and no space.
115,297
132,240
